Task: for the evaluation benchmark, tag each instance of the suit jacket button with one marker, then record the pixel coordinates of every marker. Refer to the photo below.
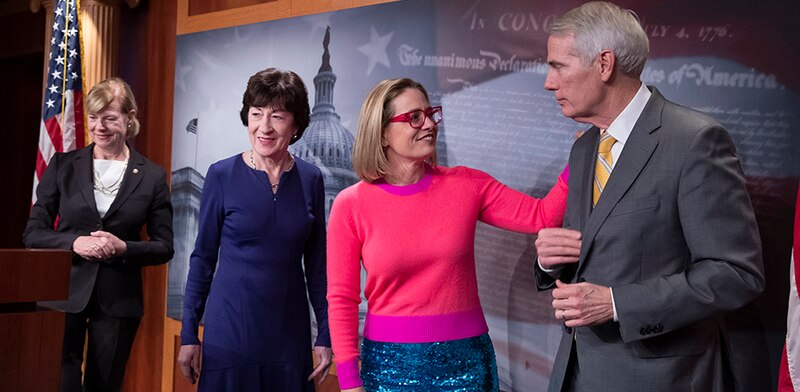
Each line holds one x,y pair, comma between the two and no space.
659,328
643,331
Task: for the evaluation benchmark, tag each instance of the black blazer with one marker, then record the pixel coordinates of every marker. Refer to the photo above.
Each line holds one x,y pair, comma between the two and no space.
66,190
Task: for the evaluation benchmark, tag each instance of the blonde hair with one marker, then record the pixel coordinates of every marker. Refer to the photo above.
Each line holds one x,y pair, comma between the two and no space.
105,92
369,158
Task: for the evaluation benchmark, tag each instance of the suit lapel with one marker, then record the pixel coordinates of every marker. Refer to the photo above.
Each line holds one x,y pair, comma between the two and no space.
133,177
637,152
84,173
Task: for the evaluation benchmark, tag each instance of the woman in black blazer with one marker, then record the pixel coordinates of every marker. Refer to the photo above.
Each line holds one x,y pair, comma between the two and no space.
94,202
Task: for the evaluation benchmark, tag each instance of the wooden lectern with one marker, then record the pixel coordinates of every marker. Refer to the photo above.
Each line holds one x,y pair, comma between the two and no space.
31,337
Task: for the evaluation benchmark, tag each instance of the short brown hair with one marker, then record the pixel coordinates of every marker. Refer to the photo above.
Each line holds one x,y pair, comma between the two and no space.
105,92
369,158
280,90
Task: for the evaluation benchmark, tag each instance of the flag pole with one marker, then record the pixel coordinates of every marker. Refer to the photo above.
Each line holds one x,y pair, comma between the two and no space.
82,70
65,43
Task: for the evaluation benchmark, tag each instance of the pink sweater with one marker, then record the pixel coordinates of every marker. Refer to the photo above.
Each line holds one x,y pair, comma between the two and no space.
417,246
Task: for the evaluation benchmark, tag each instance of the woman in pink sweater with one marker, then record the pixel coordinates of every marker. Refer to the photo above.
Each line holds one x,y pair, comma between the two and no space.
412,224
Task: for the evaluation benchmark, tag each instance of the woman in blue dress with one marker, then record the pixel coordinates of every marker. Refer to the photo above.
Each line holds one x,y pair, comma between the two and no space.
260,255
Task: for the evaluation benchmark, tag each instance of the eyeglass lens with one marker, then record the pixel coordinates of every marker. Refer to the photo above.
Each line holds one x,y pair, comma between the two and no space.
417,117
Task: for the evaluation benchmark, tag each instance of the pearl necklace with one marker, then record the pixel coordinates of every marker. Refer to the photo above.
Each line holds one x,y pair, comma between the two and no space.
254,166
113,188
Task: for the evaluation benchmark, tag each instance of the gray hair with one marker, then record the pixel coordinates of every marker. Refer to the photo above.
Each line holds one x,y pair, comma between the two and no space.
598,26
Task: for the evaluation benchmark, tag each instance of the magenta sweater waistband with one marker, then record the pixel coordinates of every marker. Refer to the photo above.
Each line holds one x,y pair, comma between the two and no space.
424,329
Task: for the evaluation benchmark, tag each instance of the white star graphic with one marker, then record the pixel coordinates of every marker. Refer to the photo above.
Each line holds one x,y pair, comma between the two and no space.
59,11
52,40
73,53
74,75
55,26
53,89
375,49
69,17
62,45
72,31
50,103
56,75
60,60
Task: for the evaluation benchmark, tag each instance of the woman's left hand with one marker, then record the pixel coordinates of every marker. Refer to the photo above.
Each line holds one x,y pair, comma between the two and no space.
119,247
324,357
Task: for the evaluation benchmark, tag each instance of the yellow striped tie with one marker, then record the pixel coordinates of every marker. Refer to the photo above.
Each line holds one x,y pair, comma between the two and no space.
602,170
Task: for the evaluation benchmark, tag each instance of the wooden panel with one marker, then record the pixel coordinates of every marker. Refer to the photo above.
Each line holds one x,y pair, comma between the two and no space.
172,331
232,17
331,384
22,67
300,7
34,275
30,344
199,7
152,65
27,30
277,9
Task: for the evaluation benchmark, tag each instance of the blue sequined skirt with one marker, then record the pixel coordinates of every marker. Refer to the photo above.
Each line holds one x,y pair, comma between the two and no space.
457,365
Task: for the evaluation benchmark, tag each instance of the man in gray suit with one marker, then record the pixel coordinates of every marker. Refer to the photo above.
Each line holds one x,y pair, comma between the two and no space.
659,238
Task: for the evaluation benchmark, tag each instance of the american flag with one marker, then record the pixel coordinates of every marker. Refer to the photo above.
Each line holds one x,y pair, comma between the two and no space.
192,126
789,376
62,127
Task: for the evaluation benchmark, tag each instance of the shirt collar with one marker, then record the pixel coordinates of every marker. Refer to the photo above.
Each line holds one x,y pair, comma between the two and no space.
622,126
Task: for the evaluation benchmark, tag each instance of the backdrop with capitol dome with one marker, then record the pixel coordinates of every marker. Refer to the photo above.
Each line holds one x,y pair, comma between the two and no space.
485,63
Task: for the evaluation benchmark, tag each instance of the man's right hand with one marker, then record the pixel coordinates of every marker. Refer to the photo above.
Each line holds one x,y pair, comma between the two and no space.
189,361
558,246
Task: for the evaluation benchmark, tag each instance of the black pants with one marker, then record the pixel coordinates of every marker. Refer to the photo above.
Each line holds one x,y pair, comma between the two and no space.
110,342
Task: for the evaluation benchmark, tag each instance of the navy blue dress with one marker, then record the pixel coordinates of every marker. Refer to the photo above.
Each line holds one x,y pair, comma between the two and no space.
269,255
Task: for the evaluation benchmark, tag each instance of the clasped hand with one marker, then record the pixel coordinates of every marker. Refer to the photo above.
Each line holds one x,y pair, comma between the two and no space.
99,245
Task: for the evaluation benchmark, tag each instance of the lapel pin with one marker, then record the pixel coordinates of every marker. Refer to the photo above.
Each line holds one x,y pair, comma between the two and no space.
135,171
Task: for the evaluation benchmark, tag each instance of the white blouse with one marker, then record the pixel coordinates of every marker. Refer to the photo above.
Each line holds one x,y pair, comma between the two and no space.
107,181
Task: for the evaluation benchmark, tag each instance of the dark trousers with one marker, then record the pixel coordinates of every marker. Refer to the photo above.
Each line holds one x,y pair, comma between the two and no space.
110,342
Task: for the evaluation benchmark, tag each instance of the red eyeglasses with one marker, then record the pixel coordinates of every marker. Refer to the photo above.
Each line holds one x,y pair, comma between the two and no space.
416,118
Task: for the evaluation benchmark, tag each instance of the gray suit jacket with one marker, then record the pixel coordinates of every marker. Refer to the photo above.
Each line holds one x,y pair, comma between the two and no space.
675,236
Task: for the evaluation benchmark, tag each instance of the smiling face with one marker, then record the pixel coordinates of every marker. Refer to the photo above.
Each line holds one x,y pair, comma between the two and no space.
270,131
109,127
578,88
403,143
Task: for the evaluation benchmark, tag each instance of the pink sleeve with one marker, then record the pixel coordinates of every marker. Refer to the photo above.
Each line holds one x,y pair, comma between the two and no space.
509,209
344,292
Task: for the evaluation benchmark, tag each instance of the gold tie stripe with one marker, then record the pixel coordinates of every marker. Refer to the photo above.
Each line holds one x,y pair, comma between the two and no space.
602,169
